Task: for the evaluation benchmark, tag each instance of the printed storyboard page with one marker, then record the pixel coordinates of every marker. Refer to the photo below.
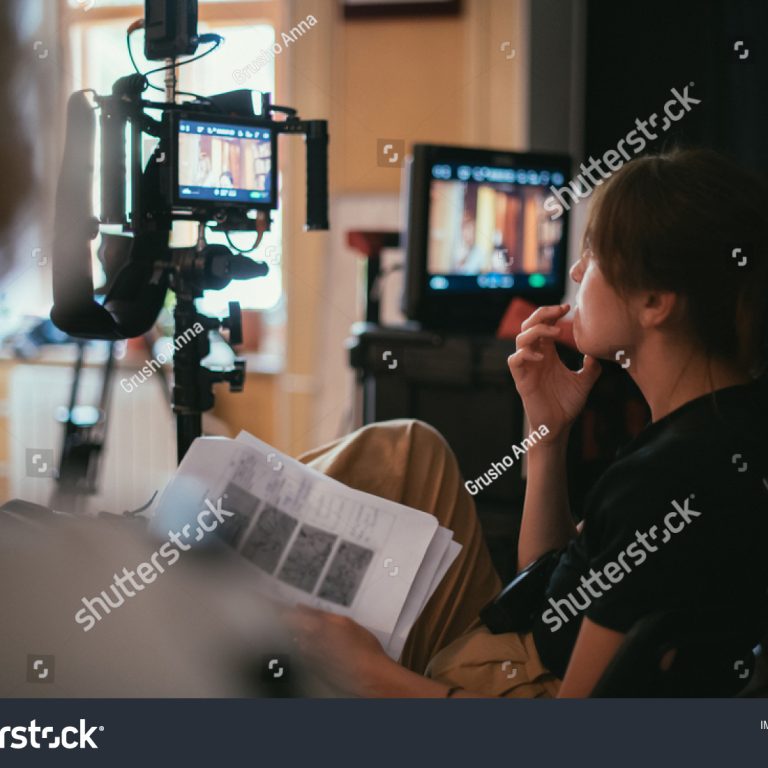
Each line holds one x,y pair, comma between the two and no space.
314,540
329,545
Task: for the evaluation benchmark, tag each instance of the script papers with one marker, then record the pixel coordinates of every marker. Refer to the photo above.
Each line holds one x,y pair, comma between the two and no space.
310,538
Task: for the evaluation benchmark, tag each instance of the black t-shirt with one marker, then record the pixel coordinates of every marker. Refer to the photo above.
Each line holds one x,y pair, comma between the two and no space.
680,520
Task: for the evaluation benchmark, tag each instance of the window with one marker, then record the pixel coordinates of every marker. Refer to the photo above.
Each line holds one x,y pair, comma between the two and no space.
99,56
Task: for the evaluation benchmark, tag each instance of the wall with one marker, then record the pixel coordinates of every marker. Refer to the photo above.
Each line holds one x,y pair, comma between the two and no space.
442,80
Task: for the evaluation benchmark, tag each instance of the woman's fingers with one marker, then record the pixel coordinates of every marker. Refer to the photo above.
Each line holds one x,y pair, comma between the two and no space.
536,333
549,315
521,357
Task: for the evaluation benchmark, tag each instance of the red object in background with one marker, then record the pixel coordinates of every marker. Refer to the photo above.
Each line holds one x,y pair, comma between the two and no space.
370,244
520,310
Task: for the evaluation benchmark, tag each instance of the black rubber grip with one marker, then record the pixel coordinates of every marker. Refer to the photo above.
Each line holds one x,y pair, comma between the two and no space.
317,175
112,163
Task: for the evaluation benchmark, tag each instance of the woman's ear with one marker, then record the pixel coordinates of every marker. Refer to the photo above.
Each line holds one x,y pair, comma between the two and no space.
657,308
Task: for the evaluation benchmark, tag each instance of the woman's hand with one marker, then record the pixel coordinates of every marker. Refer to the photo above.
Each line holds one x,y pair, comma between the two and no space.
552,395
341,651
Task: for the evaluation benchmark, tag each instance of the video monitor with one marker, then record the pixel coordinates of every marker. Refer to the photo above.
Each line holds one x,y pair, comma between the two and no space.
478,234
224,163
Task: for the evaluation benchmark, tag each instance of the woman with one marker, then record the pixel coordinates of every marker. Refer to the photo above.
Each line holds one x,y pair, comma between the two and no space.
673,279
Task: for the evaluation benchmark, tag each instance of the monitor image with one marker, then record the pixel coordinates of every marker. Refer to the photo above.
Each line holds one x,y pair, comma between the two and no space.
223,162
478,235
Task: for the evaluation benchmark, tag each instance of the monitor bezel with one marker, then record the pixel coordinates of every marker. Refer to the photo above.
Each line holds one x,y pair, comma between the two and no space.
477,311
184,203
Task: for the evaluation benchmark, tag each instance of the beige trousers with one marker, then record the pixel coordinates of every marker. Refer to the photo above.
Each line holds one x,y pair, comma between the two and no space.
410,462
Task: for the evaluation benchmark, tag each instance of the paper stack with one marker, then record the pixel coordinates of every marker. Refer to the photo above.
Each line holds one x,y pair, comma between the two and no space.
311,539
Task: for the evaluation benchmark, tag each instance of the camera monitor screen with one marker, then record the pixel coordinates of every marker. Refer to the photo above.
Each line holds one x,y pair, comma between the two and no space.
226,163
479,234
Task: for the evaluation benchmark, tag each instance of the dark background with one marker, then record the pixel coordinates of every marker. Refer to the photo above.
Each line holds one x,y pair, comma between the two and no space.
637,51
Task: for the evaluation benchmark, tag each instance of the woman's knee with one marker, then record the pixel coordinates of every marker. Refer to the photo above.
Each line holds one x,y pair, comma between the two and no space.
390,459
423,437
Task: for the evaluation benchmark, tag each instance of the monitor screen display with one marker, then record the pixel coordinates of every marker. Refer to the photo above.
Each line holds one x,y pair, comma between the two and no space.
225,163
479,232
488,228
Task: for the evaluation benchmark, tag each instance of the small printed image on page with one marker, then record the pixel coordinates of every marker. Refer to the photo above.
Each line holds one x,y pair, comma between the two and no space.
310,552
243,507
349,566
268,539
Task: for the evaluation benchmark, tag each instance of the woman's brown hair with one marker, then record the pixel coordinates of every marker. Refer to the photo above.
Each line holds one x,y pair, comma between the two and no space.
694,223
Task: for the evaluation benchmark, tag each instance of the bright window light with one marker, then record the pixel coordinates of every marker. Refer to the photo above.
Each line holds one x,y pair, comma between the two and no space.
99,57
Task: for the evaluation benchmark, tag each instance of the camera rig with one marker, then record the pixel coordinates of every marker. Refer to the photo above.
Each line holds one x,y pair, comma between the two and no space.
142,196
